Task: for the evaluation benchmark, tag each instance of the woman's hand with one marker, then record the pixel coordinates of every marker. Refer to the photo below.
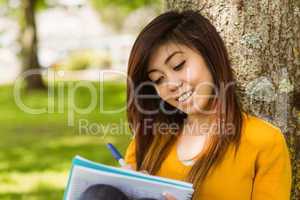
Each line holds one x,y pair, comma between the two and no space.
129,167
168,196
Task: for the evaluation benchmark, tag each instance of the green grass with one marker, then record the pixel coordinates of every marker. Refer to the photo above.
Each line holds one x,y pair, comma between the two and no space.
36,149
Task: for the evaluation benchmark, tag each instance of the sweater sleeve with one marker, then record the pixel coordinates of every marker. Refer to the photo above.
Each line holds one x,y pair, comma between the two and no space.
130,154
272,179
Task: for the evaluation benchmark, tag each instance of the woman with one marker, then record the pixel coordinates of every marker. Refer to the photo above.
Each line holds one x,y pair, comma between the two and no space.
187,121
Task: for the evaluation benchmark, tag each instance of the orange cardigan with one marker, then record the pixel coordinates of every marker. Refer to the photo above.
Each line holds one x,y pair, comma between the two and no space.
260,171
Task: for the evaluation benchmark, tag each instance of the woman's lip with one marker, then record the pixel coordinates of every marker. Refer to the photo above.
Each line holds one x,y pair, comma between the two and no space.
186,100
176,98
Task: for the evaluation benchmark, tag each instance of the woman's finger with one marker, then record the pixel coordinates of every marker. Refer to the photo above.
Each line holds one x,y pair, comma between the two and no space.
127,166
168,196
144,171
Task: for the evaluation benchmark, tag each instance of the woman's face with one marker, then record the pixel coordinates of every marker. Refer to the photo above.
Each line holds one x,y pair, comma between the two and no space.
181,77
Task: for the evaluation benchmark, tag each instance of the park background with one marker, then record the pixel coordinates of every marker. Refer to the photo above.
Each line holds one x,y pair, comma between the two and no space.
77,39
71,42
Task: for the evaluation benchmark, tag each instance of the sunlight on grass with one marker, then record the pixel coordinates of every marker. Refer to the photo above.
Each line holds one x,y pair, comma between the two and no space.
36,151
80,141
23,183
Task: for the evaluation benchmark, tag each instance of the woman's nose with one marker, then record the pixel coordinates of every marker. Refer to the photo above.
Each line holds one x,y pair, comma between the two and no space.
174,85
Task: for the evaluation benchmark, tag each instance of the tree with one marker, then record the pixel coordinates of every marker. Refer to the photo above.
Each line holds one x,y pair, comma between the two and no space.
29,44
263,40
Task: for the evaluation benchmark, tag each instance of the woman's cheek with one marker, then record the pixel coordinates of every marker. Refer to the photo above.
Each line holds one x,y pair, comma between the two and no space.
201,98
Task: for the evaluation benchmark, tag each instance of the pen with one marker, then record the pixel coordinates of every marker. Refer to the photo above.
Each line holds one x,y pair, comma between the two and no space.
116,154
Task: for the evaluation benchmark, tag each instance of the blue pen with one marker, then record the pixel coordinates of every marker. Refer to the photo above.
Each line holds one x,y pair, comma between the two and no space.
116,154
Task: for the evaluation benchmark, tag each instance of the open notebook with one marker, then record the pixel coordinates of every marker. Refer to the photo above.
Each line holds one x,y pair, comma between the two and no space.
85,173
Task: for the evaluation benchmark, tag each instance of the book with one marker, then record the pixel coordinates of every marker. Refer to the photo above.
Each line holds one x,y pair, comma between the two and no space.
85,173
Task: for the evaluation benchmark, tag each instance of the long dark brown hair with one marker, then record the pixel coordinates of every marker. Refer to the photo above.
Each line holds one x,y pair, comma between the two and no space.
193,30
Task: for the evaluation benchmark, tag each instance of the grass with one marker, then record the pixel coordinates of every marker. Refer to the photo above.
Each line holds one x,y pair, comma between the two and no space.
36,149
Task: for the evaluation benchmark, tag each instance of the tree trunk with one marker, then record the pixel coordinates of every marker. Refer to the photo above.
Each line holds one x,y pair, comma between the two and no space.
29,45
263,41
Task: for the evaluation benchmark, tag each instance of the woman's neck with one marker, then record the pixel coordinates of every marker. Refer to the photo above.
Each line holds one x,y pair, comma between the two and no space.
198,124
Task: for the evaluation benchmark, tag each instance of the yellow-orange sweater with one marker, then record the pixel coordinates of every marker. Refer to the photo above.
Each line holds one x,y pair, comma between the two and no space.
260,171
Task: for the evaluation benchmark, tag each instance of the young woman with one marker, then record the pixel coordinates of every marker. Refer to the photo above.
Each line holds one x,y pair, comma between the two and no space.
187,121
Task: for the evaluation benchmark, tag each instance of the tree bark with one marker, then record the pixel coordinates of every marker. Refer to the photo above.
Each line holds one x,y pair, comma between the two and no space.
29,46
263,41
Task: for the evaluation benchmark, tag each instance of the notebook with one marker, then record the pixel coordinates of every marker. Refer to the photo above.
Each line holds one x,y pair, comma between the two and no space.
85,173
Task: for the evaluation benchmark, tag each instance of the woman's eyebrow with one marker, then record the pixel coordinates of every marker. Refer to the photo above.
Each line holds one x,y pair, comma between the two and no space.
167,60
171,55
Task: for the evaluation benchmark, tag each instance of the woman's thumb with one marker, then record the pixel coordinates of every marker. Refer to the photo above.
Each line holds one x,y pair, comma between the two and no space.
168,196
144,171
127,166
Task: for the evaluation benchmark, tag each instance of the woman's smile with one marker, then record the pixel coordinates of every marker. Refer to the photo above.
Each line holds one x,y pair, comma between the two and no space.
185,98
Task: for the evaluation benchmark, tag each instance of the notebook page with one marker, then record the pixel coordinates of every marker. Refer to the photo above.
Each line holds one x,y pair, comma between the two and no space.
90,164
83,177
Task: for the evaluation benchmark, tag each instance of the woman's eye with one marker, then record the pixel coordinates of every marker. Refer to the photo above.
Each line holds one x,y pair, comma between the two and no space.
178,67
158,81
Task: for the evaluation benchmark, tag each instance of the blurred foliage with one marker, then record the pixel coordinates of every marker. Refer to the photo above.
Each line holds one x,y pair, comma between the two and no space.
14,11
36,150
125,5
114,12
84,59
3,2
41,5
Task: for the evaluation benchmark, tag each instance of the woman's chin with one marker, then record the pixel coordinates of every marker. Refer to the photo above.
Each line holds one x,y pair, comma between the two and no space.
195,109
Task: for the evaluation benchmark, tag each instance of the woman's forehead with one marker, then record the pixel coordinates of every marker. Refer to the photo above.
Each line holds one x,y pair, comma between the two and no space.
161,53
